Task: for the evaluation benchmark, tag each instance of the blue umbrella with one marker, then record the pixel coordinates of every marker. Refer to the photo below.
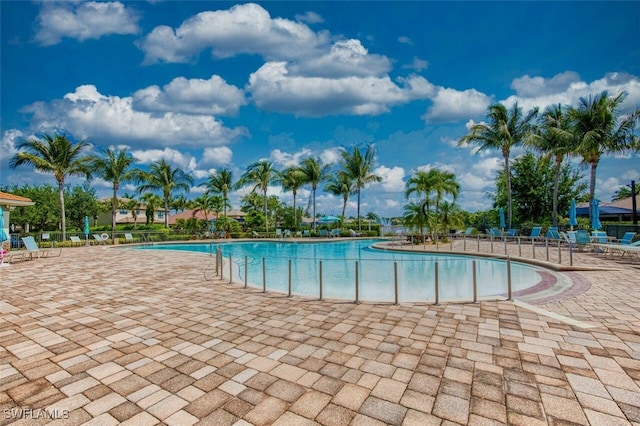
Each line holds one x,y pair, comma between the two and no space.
3,235
502,224
573,221
86,225
327,219
595,215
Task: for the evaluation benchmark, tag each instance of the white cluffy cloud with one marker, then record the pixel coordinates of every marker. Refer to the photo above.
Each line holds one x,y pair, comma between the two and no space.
90,115
191,96
83,21
274,89
246,28
451,105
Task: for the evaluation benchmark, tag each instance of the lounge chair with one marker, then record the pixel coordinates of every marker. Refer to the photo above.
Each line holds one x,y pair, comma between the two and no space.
298,234
287,233
535,232
599,237
128,238
76,241
279,233
512,232
334,233
354,233
495,233
569,238
582,239
324,233
254,234
34,251
99,238
552,233
306,233
627,238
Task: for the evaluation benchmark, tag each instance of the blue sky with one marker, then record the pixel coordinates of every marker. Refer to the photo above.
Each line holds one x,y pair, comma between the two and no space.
208,85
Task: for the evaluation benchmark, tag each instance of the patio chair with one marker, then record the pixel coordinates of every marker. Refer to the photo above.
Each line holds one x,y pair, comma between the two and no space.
128,238
552,233
599,236
254,234
306,233
535,232
569,238
324,233
582,239
354,233
334,233
298,234
278,233
34,251
627,238
76,241
99,238
287,233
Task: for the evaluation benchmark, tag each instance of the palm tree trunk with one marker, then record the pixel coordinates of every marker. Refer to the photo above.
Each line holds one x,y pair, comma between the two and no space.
344,206
266,219
113,211
295,214
314,208
592,188
166,212
359,228
225,203
556,185
507,172
63,219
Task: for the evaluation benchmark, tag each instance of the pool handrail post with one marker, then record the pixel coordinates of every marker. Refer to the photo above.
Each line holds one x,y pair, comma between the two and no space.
289,294
218,254
230,269
221,270
509,295
519,247
559,254
478,243
451,243
475,282
437,294
505,244
395,281
264,276
533,247
546,246
357,301
464,242
491,237
246,271
570,255
320,277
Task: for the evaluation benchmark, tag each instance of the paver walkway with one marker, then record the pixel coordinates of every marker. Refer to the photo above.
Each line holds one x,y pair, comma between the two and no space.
113,336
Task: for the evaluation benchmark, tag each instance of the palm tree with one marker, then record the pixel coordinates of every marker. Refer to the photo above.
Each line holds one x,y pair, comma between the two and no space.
180,203
505,130
131,205
165,179
600,130
292,179
260,174
554,139
340,184
151,202
56,155
221,182
414,216
450,215
436,182
624,192
314,173
114,167
422,183
360,169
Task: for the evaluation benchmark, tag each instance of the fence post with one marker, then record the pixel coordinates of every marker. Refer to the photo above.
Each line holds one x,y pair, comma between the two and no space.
478,243
519,247
218,256
437,301
230,269
289,295
464,242
505,245
533,247
264,276
546,246
570,254
357,289
509,279
492,244
475,283
395,281
246,271
320,273
559,254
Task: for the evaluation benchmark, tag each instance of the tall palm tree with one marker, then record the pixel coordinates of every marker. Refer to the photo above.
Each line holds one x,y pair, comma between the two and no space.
314,172
260,174
162,177
359,168
114,167
600,129
151,202
554,139
436,183
340,184
292,179
505,130
56,155
221,182
414,216
421,183
624,192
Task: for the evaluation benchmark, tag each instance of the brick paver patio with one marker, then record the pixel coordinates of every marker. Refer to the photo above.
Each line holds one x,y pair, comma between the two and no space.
104,336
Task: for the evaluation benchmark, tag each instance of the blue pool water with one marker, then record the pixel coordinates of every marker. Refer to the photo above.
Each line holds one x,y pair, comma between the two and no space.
376,271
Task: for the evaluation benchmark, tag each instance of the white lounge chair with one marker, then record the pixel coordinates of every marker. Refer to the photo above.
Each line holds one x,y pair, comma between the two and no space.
34,251
354,233
76,241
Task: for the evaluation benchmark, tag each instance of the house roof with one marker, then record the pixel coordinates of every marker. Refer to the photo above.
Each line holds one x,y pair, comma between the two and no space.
199,214
11,200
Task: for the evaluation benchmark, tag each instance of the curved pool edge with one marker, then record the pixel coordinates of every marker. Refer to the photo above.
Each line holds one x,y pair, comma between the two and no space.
535,262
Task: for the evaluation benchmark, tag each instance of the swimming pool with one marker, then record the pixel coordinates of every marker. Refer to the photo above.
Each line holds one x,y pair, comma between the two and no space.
275,263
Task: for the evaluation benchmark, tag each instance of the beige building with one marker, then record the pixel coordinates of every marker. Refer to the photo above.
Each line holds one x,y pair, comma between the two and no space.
124,216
